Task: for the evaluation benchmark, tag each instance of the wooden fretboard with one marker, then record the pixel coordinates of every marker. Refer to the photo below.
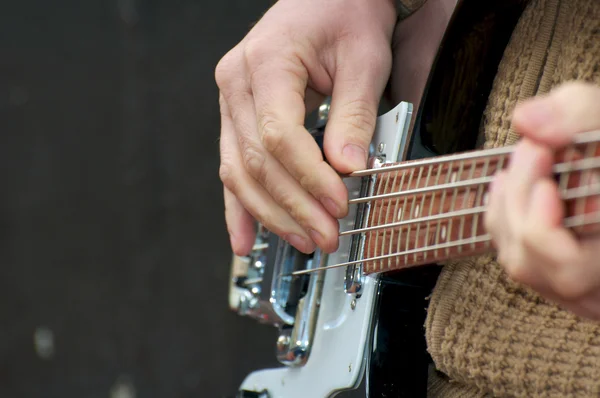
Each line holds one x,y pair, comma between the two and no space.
431,211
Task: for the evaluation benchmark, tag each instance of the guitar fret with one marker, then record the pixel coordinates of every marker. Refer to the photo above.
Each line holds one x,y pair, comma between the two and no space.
426,240
387,218
586,179
414,213
380,187
433,225
441,229
410,178
564,177
453,202
411,239
464,205
479,202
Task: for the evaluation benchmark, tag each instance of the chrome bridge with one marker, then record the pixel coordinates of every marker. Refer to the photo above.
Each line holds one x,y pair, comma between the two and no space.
262,288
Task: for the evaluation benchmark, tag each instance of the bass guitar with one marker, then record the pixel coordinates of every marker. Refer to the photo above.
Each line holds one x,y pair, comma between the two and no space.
351,323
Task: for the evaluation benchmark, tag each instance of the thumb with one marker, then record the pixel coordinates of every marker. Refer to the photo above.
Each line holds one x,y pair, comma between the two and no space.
357,88
556,118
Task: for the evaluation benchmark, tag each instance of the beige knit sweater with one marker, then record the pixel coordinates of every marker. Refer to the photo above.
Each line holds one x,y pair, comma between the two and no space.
487,335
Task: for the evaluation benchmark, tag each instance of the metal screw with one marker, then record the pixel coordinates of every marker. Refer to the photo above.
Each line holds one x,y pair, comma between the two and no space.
324,111
381,147
283,342
353,304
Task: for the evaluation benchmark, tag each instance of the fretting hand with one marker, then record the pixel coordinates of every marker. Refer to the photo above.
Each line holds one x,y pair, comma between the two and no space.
300,52
525,211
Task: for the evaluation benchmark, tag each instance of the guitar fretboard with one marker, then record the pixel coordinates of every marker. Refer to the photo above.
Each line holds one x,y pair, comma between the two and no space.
428,212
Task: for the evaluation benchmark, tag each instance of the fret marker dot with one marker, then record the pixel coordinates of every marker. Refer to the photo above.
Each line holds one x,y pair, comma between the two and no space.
417,208
453,177
443,232
400,214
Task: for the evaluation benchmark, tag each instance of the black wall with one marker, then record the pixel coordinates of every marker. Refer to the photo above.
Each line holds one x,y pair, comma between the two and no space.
112,234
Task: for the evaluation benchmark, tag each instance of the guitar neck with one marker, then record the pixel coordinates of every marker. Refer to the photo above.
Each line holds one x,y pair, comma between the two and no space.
432,210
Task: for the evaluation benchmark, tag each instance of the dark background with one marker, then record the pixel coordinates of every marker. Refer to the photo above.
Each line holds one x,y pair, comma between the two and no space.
112,235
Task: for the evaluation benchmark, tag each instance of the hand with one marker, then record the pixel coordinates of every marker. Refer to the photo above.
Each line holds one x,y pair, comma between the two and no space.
300,52
525,210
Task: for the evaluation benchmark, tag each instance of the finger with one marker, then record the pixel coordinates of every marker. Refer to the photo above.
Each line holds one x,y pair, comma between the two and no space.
254,197
529,163
495,214
240,224
554,119
358,85
587,307
279,99
306,211
554,251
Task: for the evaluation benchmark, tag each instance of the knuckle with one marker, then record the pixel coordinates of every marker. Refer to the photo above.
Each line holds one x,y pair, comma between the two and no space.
271,134
361,117
531,238
226,174
255,163
308,181
255,51
265,217
290,205
224,69
575,87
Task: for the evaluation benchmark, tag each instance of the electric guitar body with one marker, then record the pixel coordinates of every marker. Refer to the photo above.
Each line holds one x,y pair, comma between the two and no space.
350,324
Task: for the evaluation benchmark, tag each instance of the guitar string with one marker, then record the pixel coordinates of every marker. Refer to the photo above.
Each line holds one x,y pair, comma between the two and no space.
575,221
478,239
569,194
558,168
570,222
580,139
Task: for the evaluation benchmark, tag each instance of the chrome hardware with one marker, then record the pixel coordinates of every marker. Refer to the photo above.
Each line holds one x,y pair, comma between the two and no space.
323,113
354,273
257,287
262,288
294,343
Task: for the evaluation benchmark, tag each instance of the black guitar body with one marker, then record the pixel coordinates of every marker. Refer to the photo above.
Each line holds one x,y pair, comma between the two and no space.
448,121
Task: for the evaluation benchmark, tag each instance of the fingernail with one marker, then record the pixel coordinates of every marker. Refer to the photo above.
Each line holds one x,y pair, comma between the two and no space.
299,242
232,241
315,236
356,155
331,207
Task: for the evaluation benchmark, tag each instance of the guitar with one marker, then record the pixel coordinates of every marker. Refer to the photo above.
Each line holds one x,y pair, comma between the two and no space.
351,322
